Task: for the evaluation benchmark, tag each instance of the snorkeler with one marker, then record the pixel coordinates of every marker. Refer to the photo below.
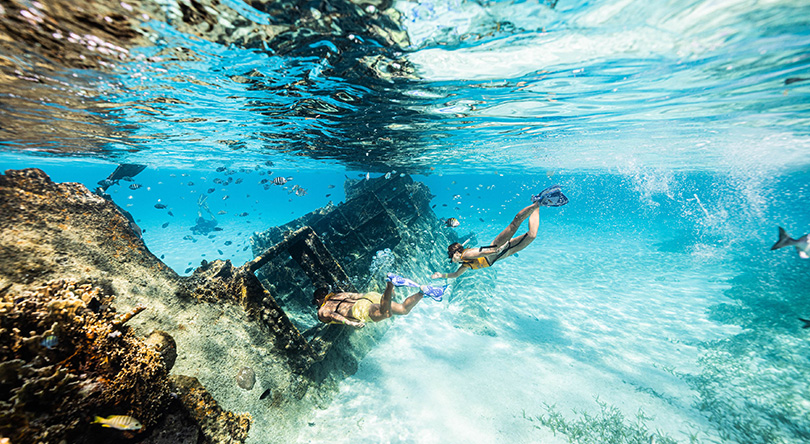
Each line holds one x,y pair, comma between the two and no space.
204,225
504,245
355,309
125,171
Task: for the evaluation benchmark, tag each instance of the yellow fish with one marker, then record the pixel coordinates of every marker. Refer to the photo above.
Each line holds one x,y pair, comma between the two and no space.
119,422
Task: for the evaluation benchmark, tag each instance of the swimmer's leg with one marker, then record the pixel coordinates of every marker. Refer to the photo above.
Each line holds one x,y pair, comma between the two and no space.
406,305
509,231
520,242
381,311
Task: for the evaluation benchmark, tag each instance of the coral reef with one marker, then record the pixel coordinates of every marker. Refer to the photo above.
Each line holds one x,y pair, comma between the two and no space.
65,357
164,345
218,426
66,257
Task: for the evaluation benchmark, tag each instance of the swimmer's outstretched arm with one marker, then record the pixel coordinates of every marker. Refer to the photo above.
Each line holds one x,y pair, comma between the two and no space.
461,270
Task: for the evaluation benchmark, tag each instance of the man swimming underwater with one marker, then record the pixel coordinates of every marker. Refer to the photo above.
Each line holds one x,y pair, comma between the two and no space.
504,245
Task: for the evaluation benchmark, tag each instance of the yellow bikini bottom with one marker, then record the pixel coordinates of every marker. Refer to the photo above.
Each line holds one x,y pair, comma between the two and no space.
361,307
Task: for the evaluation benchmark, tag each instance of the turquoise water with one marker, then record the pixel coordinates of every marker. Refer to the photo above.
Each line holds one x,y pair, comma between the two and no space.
671,128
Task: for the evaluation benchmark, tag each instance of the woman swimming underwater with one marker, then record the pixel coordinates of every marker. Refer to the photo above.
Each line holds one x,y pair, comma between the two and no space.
504,245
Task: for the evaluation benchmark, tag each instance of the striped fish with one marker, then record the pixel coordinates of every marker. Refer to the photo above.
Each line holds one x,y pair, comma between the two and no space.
119,422
282,180
50,342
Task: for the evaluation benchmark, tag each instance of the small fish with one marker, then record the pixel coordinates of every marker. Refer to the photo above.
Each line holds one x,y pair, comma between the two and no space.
170,213
269,163
806,323
282,180
388,175
228,243
217,180
221,212
220,169
220,252
330,186
50,342
211,190
264,181
401,174
328,194
457,197
135,186
188,237
191,184
791,80
119,422
225,197
165,225
160,206
162,256
242,214
802,244
188,269
452,222
265,394
300,192
238,181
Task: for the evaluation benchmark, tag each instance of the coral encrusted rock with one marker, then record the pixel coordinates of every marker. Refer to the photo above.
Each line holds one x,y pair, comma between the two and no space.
65,357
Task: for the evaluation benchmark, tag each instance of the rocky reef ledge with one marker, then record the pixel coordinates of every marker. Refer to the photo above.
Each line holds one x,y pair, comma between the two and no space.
68,260
93,324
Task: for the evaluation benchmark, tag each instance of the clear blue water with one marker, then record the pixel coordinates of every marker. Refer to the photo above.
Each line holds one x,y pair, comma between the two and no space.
669,125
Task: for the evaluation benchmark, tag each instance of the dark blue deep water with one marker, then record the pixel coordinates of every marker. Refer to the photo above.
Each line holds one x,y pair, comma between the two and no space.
680,131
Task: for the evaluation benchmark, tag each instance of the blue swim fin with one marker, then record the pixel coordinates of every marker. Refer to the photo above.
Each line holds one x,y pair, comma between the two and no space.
550,197
400,281
434,292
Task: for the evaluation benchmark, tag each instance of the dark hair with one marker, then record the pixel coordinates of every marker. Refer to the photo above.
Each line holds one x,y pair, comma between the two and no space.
453,248
320,293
